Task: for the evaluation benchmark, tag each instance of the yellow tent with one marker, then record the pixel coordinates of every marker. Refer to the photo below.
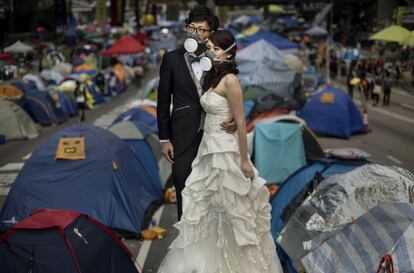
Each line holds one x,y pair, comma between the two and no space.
393,33
251,30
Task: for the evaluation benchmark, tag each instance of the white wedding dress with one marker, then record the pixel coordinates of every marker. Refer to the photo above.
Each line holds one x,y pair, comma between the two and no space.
225,226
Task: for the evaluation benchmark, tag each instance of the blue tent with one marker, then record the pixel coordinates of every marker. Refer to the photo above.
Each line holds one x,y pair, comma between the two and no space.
110,184
332,112
135,134
39,104
294,184
271,37
97,95
67,104
138,114
278,150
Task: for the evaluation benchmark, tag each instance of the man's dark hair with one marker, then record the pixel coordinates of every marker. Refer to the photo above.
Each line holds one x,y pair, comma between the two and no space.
202,13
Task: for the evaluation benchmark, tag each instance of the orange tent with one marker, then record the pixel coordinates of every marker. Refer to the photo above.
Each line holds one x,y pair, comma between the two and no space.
149,109
120,72
265,115
9,91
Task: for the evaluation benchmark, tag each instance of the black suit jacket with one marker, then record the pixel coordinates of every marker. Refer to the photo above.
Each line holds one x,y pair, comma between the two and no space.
176,84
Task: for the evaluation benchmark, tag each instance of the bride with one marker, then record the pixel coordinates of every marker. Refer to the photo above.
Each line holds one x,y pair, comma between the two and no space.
225,226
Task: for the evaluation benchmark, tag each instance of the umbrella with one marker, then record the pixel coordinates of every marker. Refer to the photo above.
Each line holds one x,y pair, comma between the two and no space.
84,69
316,31
358,248
18,47
409,40
393,33
294,63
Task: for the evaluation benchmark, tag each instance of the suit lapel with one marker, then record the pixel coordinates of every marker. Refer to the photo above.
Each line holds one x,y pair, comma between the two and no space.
187,74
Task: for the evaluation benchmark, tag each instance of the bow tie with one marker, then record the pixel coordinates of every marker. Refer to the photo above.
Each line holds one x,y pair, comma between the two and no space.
193,58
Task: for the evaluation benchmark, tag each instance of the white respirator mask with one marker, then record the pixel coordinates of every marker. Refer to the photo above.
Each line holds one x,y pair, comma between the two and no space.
207,62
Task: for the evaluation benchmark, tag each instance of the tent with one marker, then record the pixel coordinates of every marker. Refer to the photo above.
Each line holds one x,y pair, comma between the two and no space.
141,139
36,80
393,33
84,69
263,65
317,31
39,105
10,92
338,201
299,180
18,47
271,37
332,112
51,241
125,45
138,114
385,230
278,150
66,103
15,123
110,183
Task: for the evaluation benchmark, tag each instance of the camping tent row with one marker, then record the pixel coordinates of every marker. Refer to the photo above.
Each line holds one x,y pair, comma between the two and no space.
46,106
315,209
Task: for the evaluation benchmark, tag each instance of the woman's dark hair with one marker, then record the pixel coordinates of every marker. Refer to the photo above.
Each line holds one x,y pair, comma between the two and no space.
223,39
202,13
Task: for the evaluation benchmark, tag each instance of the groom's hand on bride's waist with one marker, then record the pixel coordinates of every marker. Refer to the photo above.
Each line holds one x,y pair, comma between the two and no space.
168,151
229,126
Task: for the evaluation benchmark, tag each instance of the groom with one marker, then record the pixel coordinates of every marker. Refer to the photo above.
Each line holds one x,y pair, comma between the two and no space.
181,80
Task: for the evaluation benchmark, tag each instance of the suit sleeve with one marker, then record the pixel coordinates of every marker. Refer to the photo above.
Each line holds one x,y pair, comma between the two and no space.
164,100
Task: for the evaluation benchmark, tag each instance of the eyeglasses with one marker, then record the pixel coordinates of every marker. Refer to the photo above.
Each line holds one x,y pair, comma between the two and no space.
191,29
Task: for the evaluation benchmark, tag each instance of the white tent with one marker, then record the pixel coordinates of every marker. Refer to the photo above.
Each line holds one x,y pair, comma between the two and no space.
18,47
15,123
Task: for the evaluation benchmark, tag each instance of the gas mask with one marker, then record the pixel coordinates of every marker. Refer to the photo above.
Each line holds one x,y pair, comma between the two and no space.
207,62
193,44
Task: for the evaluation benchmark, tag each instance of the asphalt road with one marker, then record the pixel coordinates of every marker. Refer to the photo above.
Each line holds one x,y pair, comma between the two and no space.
391,142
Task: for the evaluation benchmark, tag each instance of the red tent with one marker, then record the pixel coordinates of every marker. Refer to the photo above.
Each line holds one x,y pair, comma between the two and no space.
5,56
142,37
125,45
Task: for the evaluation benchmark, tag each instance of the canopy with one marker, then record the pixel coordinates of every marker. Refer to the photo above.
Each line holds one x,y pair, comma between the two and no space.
125,45
393,33
18,47
409,40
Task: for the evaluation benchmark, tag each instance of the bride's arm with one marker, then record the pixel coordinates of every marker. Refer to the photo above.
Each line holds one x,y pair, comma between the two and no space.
235,96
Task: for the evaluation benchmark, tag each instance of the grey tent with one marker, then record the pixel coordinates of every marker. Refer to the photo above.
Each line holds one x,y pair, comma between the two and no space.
15,123
338,201
263,65
18,47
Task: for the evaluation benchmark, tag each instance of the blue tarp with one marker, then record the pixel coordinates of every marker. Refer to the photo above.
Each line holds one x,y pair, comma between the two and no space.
111,184
271,37
278,150
138,114
340,118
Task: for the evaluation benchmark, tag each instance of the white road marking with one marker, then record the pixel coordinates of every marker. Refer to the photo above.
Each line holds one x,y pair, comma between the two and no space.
386,112
407,106
146,245
26,157
399,162
16,166
405,94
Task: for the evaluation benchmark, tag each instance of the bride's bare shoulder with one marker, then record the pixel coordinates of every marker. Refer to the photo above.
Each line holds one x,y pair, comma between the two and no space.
231,79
